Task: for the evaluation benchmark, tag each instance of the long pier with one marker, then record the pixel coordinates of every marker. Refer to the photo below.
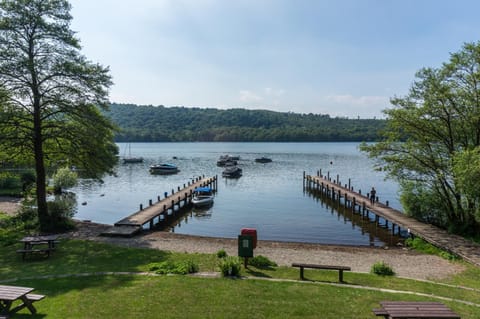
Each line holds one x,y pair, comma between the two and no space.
158,212
361,204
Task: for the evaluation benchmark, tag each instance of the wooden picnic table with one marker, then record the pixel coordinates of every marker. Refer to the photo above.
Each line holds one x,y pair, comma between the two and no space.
38,244
414,310
9,294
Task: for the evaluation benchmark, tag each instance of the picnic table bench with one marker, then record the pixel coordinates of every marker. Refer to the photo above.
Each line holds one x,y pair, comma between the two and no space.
38,244
340,269
414,310
10,294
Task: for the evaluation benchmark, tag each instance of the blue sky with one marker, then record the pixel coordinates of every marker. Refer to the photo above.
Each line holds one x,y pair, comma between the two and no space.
338,57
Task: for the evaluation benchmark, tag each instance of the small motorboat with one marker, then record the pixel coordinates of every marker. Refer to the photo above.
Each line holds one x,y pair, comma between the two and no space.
202,196
263,160
163,169
232,171
225,160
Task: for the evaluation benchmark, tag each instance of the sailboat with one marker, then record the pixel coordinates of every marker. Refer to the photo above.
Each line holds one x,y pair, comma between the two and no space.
130,158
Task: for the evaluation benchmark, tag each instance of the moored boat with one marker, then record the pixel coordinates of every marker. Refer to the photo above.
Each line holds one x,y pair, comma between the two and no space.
202,196
263,160
127,160
163,169
225,160
232,171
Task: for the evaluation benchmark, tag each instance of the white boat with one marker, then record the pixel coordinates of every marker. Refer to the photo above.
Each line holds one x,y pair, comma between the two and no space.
202,196
163,169
232,171
129,158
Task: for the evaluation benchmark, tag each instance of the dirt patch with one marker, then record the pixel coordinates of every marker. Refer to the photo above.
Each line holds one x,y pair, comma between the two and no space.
9,205
405,262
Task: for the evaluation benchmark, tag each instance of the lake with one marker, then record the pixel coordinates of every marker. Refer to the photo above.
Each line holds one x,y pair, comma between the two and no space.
269,197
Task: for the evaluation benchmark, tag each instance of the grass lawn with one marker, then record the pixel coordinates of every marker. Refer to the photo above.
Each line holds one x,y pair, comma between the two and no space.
135,296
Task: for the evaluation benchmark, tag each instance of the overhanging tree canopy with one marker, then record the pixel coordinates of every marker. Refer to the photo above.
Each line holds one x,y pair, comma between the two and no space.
431,135
50,94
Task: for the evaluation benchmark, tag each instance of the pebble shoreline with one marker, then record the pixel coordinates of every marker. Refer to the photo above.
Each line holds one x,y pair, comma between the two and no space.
405,262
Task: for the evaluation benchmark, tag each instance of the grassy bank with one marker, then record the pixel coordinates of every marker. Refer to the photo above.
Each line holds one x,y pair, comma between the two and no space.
113,296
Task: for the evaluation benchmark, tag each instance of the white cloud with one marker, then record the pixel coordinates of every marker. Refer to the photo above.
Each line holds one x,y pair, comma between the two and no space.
247,96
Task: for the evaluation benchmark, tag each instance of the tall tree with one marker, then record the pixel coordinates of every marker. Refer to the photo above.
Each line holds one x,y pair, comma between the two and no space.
51,94
432,136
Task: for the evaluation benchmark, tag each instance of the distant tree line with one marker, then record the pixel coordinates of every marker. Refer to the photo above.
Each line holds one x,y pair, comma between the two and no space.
182,124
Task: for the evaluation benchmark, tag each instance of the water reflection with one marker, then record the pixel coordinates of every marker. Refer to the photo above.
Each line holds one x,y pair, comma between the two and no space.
365,223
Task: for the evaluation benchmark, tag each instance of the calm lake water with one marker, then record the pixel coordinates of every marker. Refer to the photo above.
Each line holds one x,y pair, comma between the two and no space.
269,197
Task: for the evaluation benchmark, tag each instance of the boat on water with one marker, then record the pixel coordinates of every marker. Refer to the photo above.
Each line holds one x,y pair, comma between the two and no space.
163,169
232,171
263,160
129,158
225,160
202,196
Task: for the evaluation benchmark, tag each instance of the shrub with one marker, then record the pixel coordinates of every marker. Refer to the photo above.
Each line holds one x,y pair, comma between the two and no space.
421,245
179,268
64,178
383,269
261,262
222,253
230,266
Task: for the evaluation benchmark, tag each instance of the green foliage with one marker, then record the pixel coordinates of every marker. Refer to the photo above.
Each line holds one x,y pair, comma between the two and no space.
421,245
172,124
60,214
222,253
50,106
431,141
9,180
382,269
28,179
170,267
230,266
12,228
64,178
261,262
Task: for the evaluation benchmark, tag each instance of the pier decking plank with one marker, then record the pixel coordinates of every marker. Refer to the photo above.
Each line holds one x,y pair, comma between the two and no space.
455,244
132,224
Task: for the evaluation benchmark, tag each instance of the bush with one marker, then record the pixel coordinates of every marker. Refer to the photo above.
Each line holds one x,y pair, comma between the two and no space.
421,245
261,262
222,253
383,269
64,178
230,266
179,268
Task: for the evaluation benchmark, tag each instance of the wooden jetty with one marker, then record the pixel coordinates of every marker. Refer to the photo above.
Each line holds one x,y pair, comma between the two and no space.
457,245
159,211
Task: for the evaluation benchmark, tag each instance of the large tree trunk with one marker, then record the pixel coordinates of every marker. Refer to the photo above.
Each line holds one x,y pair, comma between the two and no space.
41,192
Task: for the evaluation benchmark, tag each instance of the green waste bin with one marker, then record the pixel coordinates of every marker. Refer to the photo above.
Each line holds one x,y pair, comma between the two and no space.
245,246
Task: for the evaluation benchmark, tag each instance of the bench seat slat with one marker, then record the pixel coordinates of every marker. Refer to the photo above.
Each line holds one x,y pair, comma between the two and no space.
327,267
35,297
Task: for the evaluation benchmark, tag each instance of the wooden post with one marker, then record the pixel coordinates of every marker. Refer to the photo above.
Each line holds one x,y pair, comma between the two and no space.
141,207
349,187
353,204
150,202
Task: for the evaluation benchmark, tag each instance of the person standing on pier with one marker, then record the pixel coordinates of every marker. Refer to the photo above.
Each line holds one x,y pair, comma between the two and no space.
373,194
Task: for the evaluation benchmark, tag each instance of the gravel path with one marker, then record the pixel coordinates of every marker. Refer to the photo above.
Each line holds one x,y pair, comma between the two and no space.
406,263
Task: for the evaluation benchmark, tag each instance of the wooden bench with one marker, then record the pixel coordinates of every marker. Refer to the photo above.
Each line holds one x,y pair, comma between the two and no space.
414,309
24,252
340,269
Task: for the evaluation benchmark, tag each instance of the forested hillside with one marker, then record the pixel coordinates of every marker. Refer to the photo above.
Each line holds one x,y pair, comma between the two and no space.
175,124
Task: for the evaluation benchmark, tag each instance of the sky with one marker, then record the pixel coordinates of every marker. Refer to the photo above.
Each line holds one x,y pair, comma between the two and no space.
344,58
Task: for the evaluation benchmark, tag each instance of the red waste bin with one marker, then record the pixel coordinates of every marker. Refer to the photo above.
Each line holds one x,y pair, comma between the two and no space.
250,232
